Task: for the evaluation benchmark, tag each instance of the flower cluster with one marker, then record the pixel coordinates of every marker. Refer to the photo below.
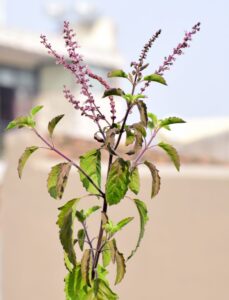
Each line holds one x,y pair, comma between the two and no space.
147,47
81,73
168,61
178,50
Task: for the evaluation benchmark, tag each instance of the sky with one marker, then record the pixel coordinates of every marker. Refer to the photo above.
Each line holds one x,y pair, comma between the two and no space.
198,82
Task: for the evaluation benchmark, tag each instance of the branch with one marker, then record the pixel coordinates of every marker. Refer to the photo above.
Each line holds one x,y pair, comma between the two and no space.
53,148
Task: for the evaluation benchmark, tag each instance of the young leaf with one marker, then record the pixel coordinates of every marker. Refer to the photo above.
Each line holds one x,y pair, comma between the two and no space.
23,159
143,112
52,124
113,92
113,228
80,216
85,267
172,153
57,180
170,121
117,181
143,214
123,223
156,78
117,73
121,267
90,162
153,120
65,222
134,184
21,122
91,210
156,178
81,238
35,110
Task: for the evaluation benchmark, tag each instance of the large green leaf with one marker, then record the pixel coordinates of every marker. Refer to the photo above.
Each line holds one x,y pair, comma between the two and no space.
57,180
86,267
21,122
170,121
143,112
104,291
121,267
52,124
90,162
74,285
23,159
156,180
134,184
142,210
172,153
117,73
65,222
156,78
117,181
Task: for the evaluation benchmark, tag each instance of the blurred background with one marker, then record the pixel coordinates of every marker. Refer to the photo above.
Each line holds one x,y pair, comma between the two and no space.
185,251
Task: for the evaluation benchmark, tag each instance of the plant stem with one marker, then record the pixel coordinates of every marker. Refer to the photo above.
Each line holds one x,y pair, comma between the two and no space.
89,242
101,230
53,148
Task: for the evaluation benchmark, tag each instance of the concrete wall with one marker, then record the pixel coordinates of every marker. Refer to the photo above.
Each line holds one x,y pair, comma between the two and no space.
184,254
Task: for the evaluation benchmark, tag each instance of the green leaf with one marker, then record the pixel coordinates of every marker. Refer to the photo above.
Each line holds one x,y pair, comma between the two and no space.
156,78
121,267
130,137
57,180
35,110
143,214
113,92
65,222
143,112
170,121
133,98
117,73
117,181
23,159
80,216
90,162
123,223
104,291
69,266
134,184
85,267
113,228
21,122
52,124
81,238
106,255
91,210
153,120
140,128
74,285
113,248
156,179
172,153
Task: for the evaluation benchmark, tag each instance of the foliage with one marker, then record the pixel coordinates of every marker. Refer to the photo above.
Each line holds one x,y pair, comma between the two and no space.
87,278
